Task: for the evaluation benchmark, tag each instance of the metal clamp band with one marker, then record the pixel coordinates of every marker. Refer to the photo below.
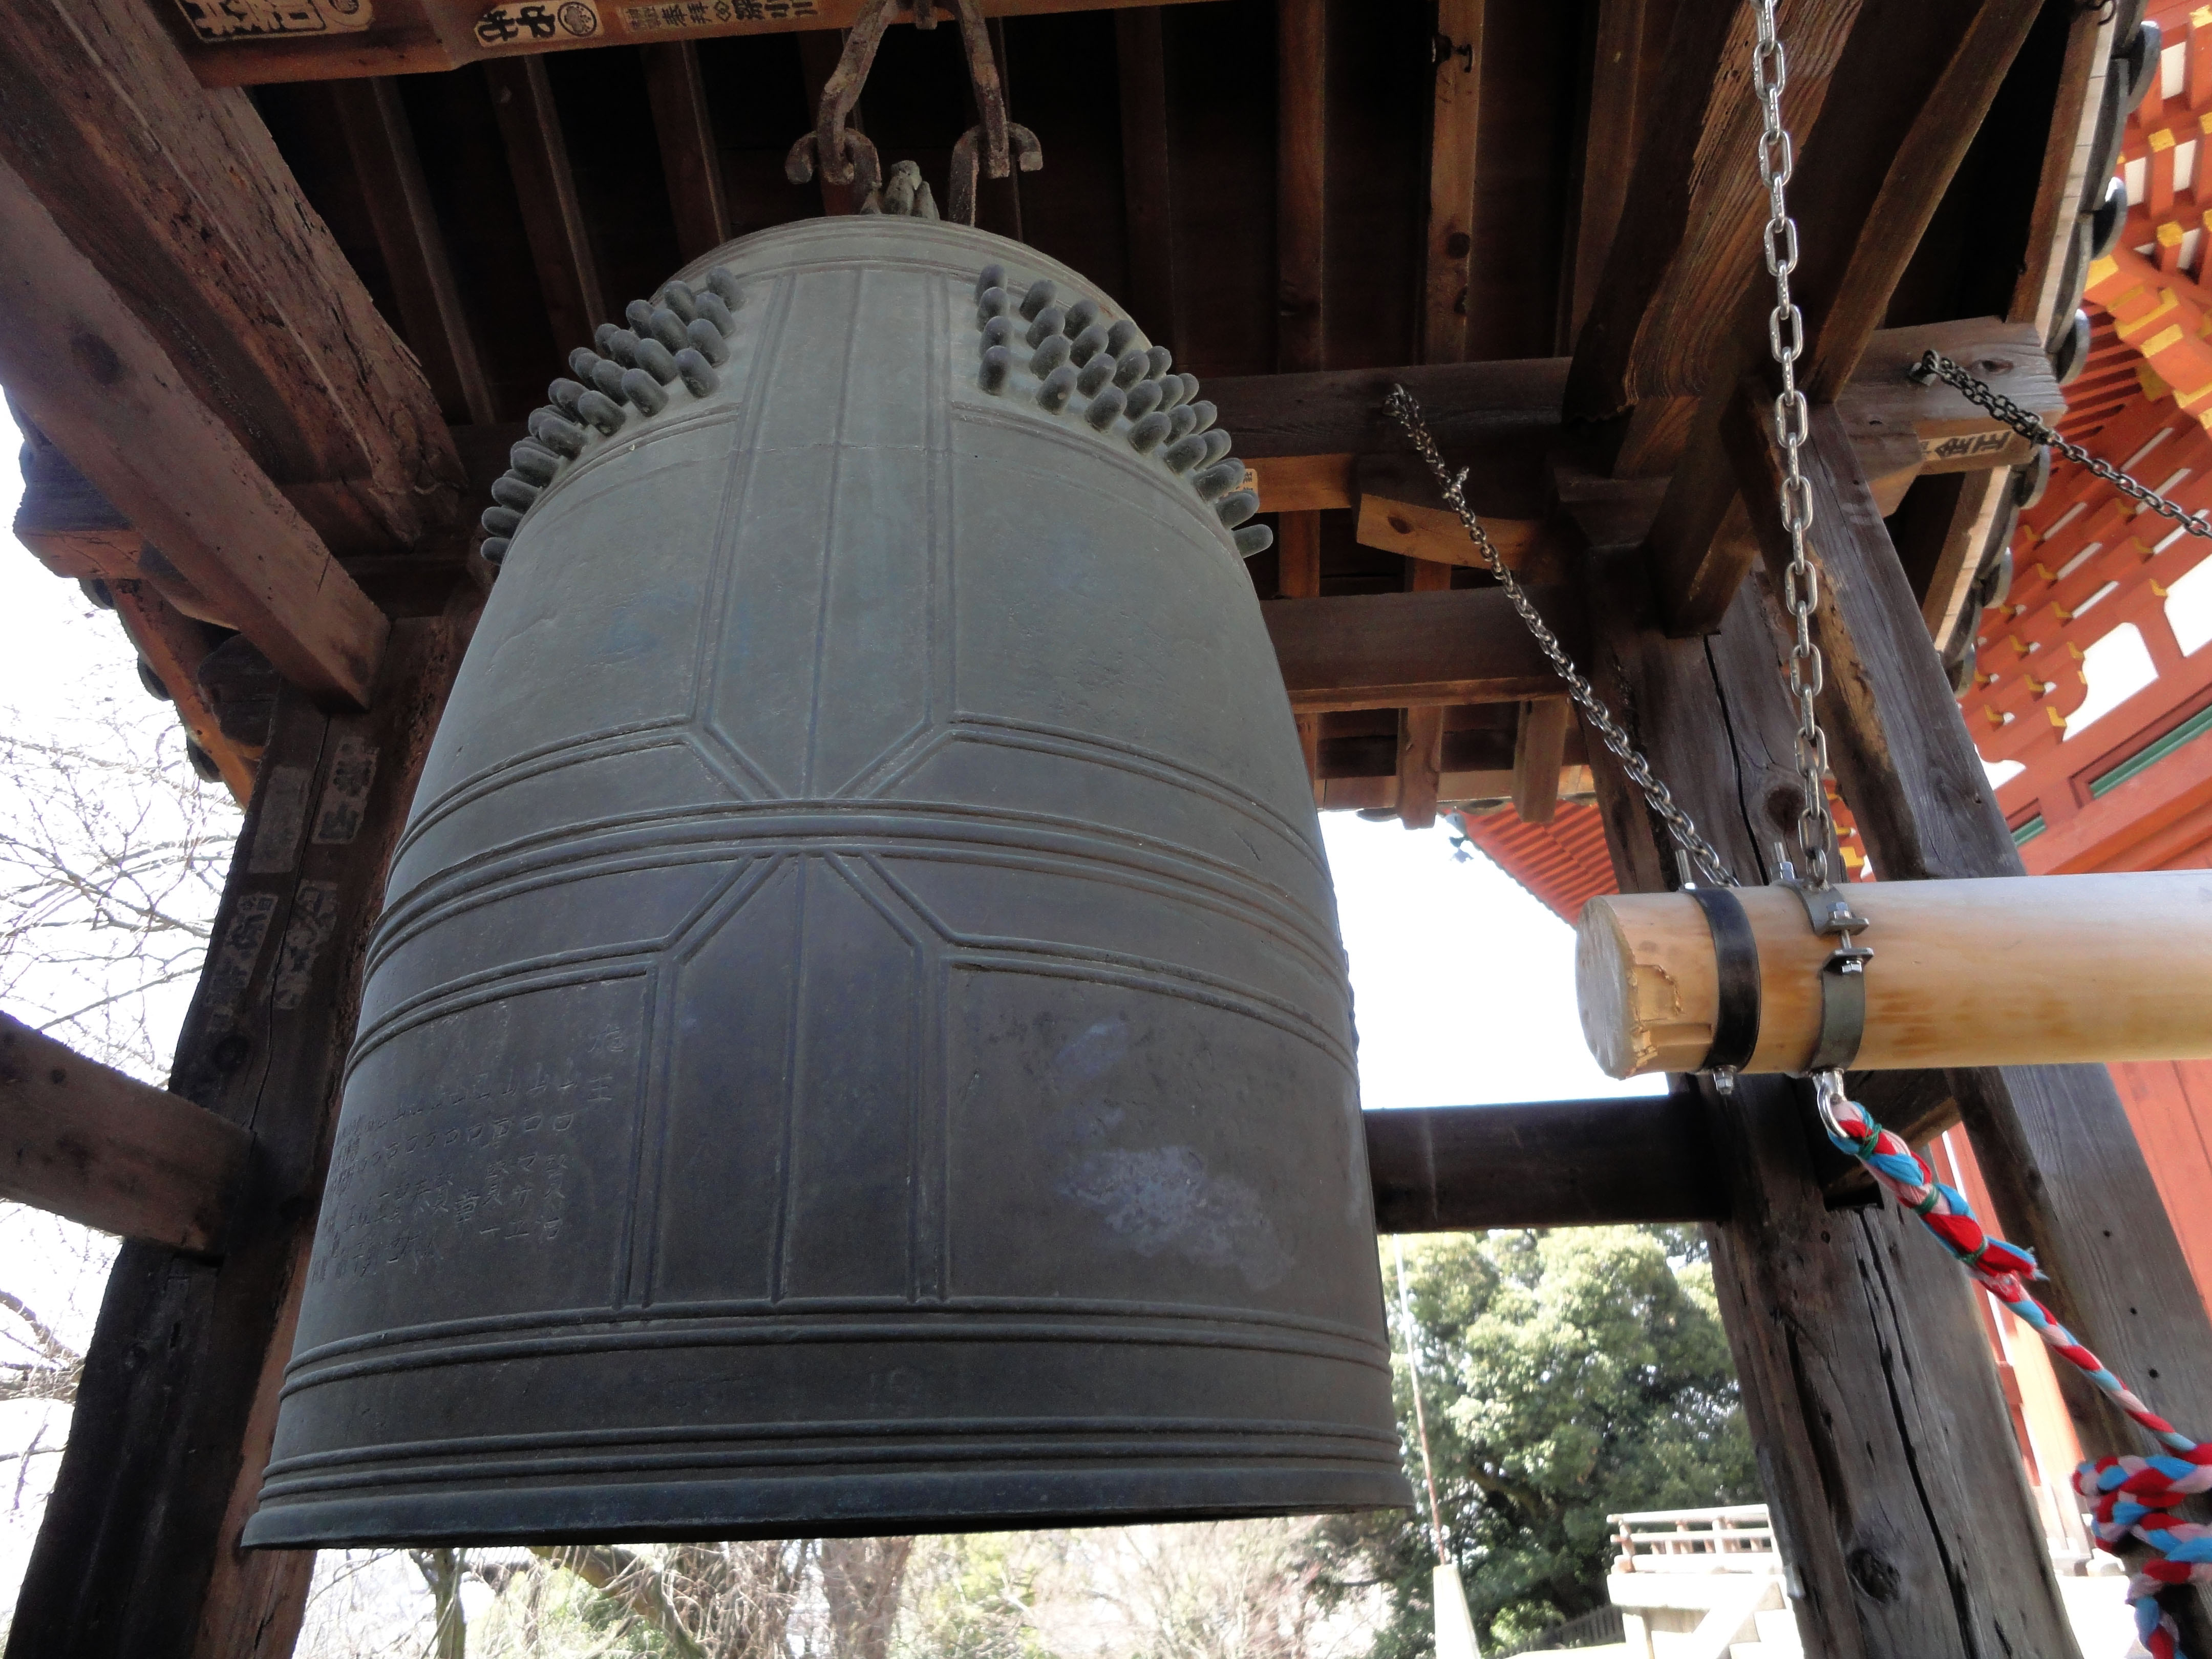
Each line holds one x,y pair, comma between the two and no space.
1735,959
1843,977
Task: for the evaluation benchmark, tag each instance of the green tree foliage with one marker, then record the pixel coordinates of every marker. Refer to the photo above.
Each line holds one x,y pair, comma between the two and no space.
1566,1375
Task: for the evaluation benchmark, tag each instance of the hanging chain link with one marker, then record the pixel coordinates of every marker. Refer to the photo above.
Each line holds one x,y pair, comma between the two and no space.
1785,338
1710,866
1935,365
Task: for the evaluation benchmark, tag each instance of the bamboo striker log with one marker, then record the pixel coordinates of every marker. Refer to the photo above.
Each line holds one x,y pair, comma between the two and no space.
2022,970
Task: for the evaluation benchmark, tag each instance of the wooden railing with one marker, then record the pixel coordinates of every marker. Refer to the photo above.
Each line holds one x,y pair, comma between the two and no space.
1738,1539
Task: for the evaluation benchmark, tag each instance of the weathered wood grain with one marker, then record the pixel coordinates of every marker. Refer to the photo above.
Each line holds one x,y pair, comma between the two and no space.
1410,650
1454,121
546,190
1147,178
178,198
1545,1163
83,1141
1539,750
174,645
689,159
138,1553
116,404
1885,1445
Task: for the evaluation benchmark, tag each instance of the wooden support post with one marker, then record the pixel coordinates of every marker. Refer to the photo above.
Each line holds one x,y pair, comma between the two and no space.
84,1141
117,404
1297,576
1539,750
690,158
178,198
1147,183
138,1555
1421,727
2054,1142
1884,1439
545,189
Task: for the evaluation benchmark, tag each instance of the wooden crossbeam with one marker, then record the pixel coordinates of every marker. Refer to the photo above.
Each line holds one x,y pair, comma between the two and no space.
545,189
689,156
117,403
382,145
438,35
178,199
1545,1163
83,1140
1413,650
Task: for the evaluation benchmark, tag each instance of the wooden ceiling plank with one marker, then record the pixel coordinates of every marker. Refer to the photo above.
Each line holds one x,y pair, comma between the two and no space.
1455,113
1609,133
1301,161
117,406
173,647
81,1139
178,198
390,169
1147,179
546,190
690,158
1466,645
1905,99
448,37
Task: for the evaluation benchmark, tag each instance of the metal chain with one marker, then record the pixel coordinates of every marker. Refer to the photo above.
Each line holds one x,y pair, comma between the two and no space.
1935,365
1785,338
1708,864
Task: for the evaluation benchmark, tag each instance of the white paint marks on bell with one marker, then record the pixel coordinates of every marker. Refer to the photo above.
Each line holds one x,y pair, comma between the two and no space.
537,22
231,965
314,916
219,20
283,815
345,796
1165,1201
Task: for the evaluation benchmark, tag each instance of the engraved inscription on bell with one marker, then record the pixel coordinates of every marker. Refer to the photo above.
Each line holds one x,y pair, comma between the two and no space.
858,1040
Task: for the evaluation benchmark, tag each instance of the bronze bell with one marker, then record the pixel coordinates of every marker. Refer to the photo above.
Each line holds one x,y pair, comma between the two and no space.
858,1040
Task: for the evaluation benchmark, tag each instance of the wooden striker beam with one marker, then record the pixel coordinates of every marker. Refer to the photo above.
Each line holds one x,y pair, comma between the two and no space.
84,1141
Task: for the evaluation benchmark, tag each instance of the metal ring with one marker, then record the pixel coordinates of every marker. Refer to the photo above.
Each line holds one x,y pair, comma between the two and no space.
1736,963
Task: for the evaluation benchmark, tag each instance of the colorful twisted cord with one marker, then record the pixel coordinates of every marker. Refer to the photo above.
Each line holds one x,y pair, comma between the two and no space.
2131,1494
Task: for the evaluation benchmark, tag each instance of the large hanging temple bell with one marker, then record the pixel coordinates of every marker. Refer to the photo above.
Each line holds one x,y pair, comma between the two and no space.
858,1040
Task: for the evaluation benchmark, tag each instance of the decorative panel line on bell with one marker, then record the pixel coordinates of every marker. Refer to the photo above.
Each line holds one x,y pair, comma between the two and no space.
858,1040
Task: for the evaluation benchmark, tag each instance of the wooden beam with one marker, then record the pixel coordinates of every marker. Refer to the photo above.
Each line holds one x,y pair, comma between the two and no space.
545,189
1545,1163
1301,155
1885,1450
178,199
174,645
1539,750
382,145
2054,1142
1147,178
1297,576
2050,224
436,35
1905,98
120,407
1454,119
85,1141
1421,727
690,158
138,1554
1611,125
1413,650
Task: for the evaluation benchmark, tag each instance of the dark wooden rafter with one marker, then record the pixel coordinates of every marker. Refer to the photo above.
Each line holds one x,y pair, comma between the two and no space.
689,159
188,1354
83,1140
1147,181
1455,114
1899,104
173,646
374,118
545,189
1611,113
178,198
